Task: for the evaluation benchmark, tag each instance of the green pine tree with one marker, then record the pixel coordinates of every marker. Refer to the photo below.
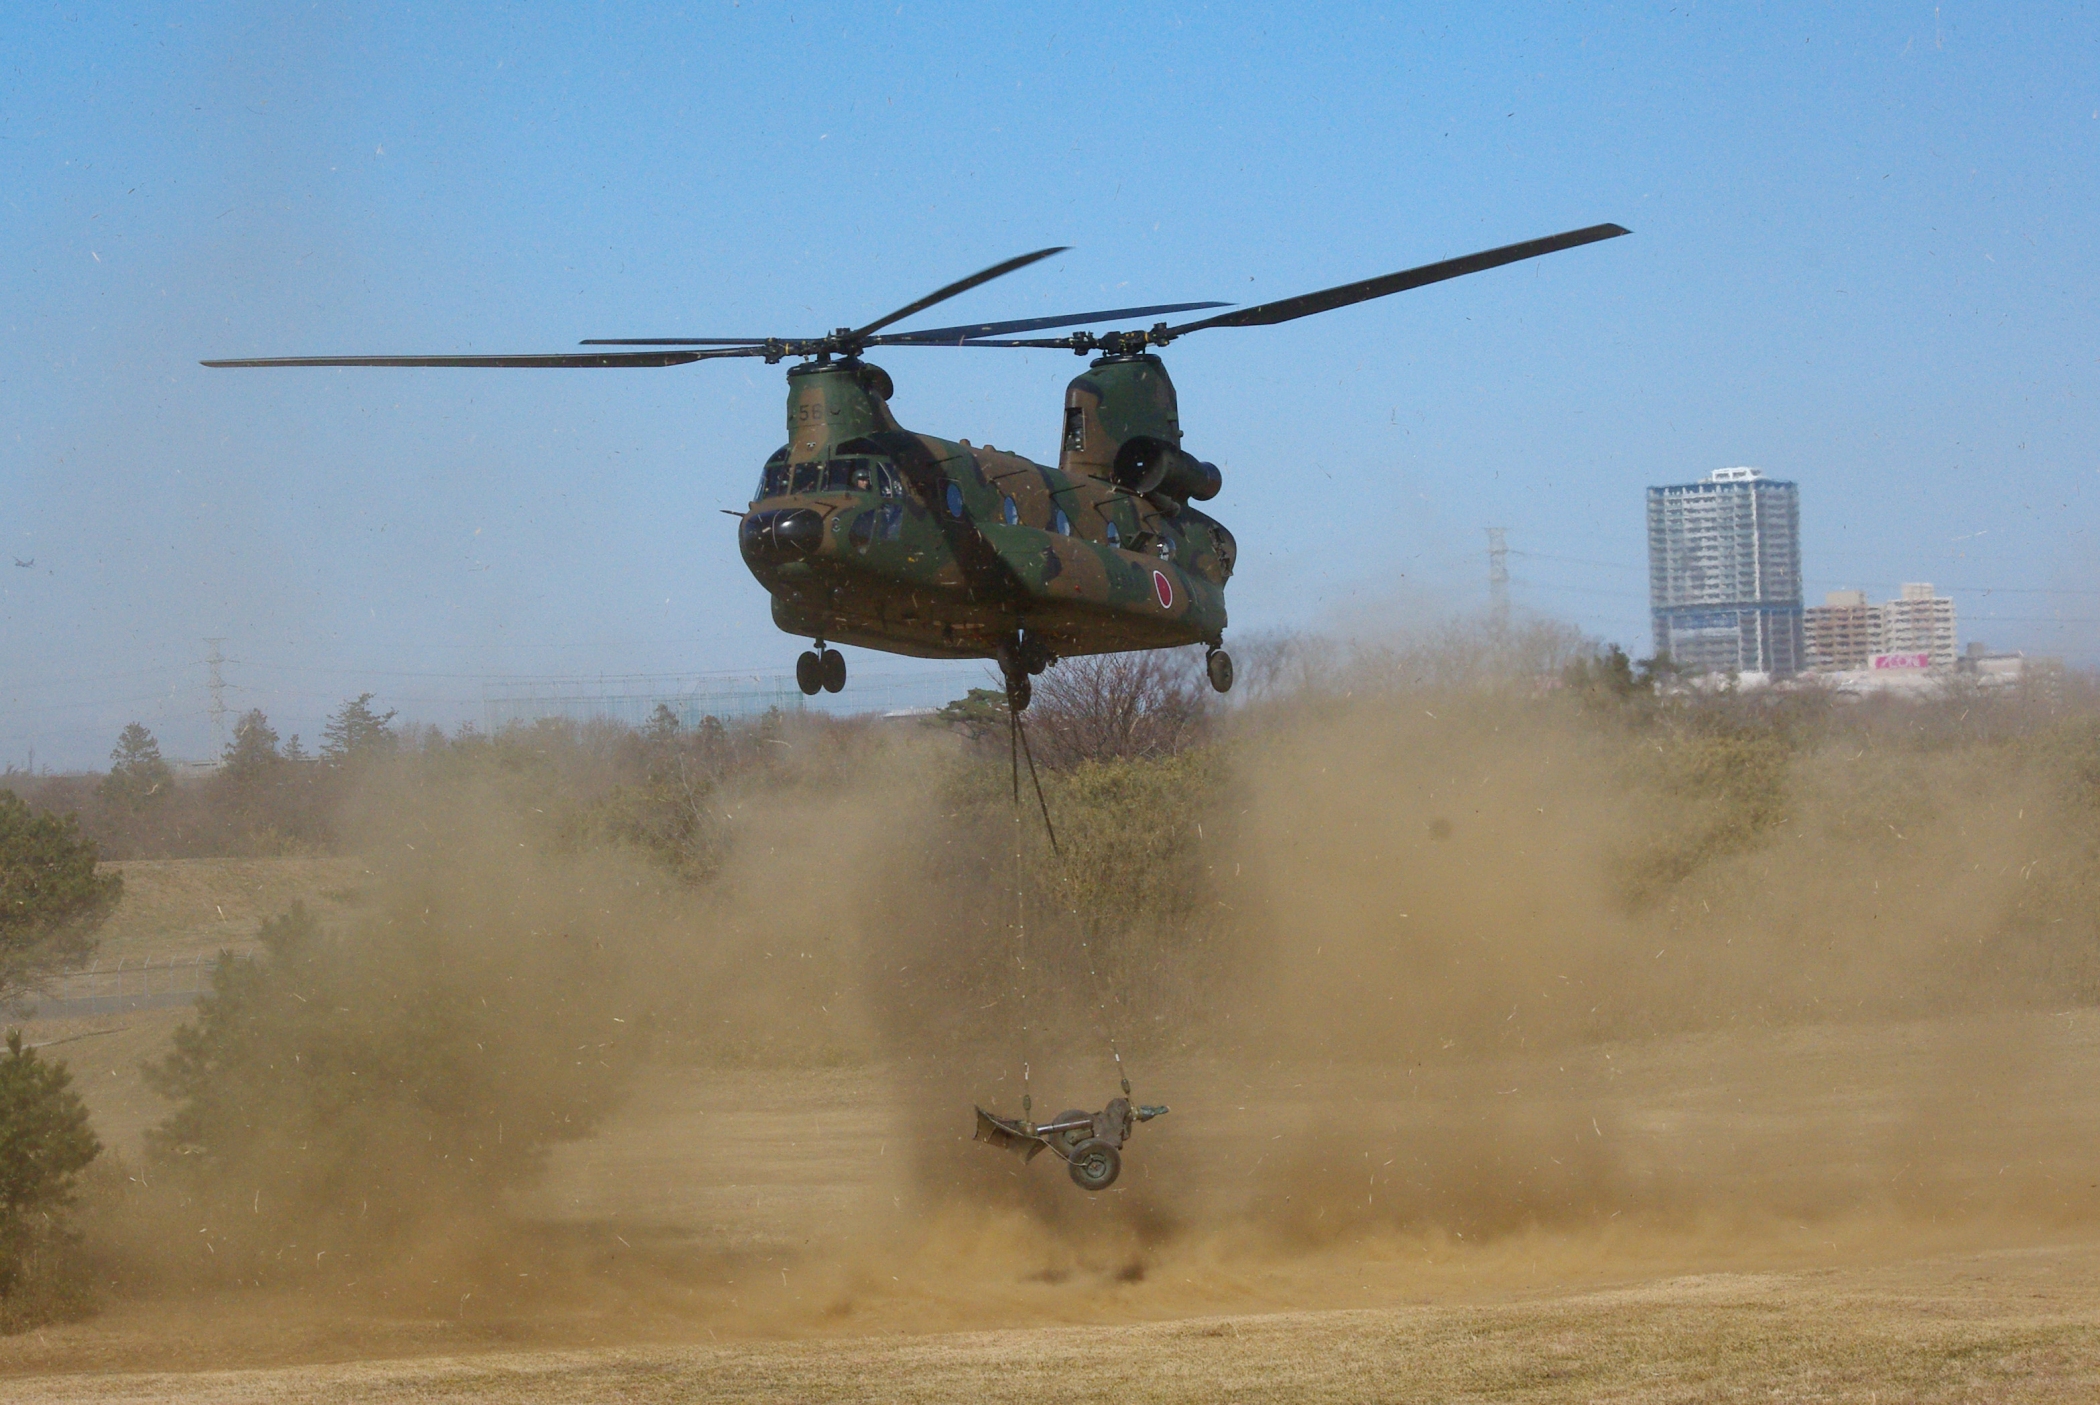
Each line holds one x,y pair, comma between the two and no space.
253,750
137,775
357,732
51,899
45,1143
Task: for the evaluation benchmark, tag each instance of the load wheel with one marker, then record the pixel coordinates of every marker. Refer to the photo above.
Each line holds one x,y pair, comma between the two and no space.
1095,1164
833,671
1071,1139
809,672
1018,691
1219,667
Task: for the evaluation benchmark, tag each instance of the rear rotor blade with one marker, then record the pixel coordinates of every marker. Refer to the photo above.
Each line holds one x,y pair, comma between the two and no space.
997,270
565,361
673,341
950,336
1306,304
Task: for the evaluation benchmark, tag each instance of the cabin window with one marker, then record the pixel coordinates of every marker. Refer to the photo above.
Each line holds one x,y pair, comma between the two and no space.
1059,523
1075,428
1011,511
955,499
1115,538
1165,547
892,522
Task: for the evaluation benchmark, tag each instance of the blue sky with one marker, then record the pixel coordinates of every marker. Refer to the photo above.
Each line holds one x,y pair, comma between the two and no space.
1863,259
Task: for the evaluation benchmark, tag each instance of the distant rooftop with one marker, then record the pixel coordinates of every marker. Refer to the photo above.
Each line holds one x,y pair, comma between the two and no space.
1734,475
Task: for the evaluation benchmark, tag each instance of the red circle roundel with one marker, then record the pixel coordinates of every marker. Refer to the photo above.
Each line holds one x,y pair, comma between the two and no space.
1163,589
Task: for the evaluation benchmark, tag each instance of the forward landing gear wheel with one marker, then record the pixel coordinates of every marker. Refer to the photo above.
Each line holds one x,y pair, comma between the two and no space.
1219,667
1095,1164
809,673
832,668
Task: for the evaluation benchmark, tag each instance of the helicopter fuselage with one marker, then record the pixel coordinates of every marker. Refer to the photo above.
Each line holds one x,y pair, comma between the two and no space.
865,533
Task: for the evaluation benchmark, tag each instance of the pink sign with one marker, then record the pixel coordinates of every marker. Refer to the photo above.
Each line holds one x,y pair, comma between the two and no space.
1901,661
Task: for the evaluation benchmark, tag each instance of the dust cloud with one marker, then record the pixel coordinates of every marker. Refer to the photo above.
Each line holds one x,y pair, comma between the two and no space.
1454,986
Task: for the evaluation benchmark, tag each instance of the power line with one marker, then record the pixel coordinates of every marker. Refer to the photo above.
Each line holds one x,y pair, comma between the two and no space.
217,687
1833,580
1498,576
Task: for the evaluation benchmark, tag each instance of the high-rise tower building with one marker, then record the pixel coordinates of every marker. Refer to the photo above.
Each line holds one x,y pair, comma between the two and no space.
1724,573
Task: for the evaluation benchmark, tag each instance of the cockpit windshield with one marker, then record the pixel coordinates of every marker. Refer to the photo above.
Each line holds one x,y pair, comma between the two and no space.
840,475
773,478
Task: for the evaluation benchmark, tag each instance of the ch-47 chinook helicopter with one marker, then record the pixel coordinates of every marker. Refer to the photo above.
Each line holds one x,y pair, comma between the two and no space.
866,533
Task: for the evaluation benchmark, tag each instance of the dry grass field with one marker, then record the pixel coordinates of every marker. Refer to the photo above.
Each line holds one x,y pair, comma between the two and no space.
2013,1325
1848,1211
180,907
739,1235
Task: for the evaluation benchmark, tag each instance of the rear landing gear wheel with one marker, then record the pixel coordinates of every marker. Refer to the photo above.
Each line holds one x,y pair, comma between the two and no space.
809,673
832,670
1219,667
1095,1164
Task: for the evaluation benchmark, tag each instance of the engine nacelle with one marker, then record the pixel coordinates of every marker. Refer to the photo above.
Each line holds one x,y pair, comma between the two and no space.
1122,424
1145,466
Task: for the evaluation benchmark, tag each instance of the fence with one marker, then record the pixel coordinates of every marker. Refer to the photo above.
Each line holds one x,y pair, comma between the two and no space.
128,983
633,700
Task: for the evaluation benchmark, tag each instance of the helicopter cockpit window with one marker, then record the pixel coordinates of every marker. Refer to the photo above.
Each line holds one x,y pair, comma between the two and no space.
847,475
1115,538
1011,511
886,481
773,479
955,499
1060,524
806,478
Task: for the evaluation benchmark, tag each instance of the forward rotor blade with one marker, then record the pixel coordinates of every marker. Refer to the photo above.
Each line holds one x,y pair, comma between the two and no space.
952,336
1306,304
566,361
997,270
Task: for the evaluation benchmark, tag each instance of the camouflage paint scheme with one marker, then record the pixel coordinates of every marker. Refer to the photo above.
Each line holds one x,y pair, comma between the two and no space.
857,535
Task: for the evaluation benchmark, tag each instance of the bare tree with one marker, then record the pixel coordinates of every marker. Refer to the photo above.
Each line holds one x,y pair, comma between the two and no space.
1112,707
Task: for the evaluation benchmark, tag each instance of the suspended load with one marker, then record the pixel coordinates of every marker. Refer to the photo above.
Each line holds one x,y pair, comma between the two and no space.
1090,1143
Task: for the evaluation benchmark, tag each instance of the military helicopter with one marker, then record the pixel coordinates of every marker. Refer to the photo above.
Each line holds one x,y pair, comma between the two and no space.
865,533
